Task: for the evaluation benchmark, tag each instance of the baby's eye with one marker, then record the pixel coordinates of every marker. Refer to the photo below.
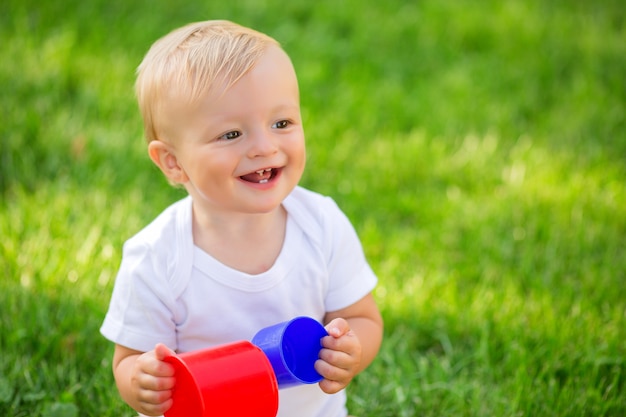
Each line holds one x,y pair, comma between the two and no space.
230,135
281,124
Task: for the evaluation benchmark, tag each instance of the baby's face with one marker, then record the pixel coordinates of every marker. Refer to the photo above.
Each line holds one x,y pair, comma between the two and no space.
243,149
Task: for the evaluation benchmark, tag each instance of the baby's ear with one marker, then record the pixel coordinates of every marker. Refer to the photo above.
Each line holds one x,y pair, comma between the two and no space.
164,157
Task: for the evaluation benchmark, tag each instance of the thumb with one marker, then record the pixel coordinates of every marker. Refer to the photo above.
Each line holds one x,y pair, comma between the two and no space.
161,351
338,327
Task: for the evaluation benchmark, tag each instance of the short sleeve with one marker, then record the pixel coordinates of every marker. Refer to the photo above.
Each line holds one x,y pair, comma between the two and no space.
350,275
141,311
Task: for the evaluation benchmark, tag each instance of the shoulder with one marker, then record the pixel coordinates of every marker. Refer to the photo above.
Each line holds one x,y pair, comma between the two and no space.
164,247
165,228
311,208
318,216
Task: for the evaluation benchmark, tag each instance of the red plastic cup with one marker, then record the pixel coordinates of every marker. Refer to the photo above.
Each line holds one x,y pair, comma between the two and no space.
235,379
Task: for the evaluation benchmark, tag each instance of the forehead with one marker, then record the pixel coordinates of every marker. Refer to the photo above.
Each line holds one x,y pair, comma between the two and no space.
273,64
271,84
271,75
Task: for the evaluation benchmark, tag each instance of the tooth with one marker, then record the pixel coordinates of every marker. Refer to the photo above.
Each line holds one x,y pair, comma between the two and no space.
263,181
268,169
260,172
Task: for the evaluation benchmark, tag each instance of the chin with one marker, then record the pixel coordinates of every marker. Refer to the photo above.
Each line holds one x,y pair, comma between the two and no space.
267,206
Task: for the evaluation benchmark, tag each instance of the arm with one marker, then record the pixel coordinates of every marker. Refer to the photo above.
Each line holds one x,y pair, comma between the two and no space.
144,380
355,336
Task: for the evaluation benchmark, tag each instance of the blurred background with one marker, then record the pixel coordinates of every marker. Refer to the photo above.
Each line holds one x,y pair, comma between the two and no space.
478,148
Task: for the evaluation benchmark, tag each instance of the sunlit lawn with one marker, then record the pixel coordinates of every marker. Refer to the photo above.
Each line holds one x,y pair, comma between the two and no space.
478,147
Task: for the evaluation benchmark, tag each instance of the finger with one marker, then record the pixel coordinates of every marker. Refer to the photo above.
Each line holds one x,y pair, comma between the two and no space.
330,372
348,343
156,384
156,409
331,387
335,379
337,358
165,383
338,327
152,363
161,351
155,397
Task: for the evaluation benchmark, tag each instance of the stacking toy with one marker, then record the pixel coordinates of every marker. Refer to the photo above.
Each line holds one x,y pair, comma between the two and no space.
243,378
235,379
292,348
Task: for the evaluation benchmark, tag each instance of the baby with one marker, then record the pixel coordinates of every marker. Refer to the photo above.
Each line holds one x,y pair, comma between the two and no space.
248,247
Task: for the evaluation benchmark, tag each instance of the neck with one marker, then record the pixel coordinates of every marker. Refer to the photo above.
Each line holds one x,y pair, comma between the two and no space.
233,225
226,237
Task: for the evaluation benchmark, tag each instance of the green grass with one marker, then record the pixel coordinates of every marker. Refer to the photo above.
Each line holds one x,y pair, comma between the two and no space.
478,147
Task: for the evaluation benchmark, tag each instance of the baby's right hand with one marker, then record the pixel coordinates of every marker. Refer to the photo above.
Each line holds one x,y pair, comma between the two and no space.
152,381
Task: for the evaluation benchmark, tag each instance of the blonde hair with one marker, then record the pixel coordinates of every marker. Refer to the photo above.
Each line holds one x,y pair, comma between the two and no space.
188,62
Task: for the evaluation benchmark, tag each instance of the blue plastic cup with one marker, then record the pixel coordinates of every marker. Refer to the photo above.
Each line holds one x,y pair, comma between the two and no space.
292,348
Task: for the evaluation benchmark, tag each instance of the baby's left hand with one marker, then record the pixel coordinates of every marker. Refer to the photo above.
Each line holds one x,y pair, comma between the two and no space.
340,356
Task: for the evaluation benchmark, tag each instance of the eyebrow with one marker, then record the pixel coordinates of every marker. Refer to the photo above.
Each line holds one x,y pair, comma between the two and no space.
288,106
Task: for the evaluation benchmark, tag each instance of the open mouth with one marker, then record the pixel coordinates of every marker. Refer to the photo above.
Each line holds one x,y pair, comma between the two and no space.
261,176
